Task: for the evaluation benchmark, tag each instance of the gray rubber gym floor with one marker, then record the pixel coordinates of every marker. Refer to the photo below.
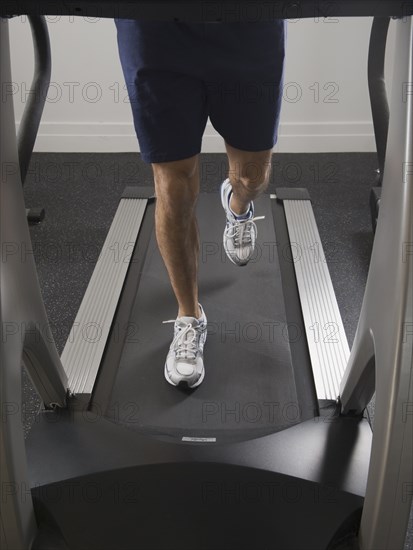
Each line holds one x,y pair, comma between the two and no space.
80,193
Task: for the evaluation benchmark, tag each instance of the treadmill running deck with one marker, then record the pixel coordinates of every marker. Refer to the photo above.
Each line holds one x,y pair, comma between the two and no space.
249,387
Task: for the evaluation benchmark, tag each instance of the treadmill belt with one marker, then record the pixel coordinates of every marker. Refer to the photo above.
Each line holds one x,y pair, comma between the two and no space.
249,385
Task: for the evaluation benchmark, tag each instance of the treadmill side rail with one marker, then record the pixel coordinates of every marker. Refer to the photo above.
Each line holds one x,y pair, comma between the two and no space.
382,349
326,337
85,346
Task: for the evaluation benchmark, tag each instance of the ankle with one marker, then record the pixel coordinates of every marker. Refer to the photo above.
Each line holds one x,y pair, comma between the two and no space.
238,209
191,312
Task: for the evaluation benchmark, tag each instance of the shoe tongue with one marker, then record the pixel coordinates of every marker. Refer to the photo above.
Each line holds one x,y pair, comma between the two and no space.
187,320
183,322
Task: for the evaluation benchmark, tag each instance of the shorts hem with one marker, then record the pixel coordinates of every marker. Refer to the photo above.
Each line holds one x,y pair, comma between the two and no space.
250,149
153,159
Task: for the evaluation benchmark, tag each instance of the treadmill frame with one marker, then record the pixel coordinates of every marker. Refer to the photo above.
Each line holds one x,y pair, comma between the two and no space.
381,356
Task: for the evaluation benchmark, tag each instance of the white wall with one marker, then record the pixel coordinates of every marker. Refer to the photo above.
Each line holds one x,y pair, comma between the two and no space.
325,105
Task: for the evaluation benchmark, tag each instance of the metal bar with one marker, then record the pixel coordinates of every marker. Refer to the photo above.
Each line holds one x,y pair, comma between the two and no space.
377,87
32,114
384,333
210,10
84,348
326,337
25,334
18,525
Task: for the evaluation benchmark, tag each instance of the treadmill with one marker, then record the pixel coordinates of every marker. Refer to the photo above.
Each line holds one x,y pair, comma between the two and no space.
273,450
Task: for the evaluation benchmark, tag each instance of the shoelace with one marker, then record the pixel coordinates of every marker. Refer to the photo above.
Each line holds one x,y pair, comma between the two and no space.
185,348
240,230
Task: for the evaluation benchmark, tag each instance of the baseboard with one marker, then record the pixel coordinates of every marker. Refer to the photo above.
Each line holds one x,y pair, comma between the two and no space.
330,137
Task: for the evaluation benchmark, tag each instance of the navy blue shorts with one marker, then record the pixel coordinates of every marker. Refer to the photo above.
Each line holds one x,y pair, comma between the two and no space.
177,74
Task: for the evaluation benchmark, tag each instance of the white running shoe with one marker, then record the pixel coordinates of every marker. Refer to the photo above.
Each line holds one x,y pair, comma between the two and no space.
240,232
184,362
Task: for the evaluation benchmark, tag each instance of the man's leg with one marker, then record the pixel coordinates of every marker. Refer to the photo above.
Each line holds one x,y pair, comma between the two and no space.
249,174
177,188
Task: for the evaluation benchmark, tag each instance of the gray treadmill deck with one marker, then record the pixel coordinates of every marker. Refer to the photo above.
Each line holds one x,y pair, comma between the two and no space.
249,386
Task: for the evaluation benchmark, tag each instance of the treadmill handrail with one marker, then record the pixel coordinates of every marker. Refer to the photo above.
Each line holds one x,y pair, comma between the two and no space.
210,10
29,124
24,331
377,87
381,357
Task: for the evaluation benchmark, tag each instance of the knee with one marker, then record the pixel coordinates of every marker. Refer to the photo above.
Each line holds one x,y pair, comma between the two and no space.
176,185
255,180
